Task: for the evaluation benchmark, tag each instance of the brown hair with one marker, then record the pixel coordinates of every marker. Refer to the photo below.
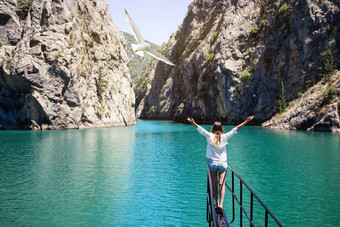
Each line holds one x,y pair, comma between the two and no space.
217,129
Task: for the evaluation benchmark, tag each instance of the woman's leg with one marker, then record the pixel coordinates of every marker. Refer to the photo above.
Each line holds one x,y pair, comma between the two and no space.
221,175
213,175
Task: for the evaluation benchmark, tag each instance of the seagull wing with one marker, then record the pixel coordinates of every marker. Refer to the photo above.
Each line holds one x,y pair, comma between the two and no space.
159,56
134,28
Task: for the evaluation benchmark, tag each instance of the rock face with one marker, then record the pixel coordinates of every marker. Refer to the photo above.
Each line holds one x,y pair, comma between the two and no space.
234,56
63,65
318,109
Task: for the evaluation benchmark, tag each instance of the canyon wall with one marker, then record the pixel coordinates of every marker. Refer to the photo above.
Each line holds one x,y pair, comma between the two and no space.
63,66
234,58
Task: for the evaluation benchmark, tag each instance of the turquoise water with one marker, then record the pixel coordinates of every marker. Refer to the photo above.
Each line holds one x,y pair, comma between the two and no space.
155,173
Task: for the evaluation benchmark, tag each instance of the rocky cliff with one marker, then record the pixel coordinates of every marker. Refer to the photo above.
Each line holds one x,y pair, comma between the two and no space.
318,109
63,65
236,56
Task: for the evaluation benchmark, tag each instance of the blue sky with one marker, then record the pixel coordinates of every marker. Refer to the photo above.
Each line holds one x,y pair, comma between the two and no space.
156,19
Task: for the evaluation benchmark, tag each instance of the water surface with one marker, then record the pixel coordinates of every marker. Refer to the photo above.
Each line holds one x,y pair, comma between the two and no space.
155,173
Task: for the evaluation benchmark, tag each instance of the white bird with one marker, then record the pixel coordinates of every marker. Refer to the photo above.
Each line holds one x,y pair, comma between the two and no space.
142,45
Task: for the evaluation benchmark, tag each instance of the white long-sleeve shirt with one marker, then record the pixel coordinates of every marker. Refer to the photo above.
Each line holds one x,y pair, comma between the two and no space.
216,153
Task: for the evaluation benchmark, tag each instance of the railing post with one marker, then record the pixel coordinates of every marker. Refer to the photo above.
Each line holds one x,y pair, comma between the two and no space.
210,200
232,195
266,219
241,203
251,209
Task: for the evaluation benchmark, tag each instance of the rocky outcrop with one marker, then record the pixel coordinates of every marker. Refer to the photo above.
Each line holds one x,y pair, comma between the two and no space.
234,56
318,109
63,65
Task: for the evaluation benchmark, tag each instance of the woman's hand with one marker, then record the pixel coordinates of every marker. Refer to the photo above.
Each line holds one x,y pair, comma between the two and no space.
192,121
250,118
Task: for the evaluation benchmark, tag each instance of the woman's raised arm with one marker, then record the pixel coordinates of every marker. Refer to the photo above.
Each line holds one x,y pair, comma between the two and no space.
245,122
201,130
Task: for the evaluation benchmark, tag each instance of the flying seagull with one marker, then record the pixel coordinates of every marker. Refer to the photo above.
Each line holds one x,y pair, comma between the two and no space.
142,45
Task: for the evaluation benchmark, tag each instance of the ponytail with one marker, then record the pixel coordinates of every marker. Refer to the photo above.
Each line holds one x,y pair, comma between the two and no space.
217,129
217,138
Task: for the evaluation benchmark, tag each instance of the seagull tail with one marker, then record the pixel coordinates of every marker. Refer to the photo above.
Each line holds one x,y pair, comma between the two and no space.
134,48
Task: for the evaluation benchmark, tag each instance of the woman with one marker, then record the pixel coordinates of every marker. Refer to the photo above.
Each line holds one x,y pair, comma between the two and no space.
217,154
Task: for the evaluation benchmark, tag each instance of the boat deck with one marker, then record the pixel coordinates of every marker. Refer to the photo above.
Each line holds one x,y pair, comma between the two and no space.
221,220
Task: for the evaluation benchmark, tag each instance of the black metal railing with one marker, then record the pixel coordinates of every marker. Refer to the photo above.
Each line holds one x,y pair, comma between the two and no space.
212,218
240,202
211,213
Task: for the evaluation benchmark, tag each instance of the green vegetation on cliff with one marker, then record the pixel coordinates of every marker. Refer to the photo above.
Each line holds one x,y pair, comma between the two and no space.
282,102
329,65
